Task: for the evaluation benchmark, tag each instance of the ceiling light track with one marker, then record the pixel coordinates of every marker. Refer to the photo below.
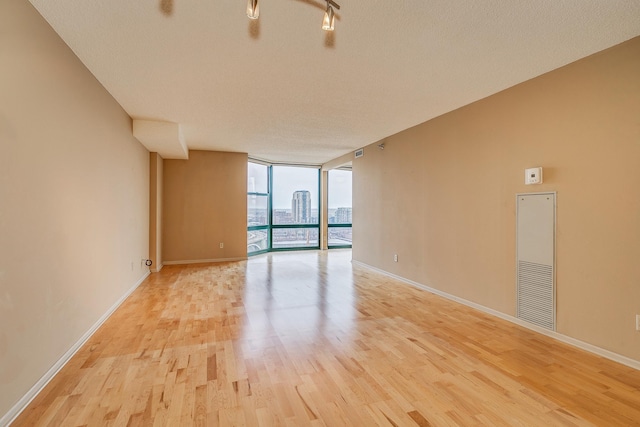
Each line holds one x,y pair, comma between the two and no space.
328,21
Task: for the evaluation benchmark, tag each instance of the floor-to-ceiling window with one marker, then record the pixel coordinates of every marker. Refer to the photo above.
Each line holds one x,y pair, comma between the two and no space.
258,230
295,209
339,209
283,207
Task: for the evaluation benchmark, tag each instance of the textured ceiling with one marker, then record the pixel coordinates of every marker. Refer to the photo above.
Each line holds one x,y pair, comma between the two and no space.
283,90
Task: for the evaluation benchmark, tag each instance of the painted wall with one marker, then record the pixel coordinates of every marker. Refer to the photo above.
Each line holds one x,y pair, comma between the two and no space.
74,201
205,204
156,171
442,196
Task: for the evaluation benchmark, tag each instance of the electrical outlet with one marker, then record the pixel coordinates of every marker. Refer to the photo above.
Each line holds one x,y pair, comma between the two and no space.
637,322
221,245
395,257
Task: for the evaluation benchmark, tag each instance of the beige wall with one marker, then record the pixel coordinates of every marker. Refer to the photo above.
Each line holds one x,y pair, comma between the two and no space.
205,204
442,196
73,201
155,210
338,162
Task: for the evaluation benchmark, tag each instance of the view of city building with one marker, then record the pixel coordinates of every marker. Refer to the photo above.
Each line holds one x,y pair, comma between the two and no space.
301,207
257,210
286,216
293,198
340,215
340,211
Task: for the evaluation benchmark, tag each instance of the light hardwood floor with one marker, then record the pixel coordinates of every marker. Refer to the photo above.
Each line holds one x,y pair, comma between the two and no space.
308,339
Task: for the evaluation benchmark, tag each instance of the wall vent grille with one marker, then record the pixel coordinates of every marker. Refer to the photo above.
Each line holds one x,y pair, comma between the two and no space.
359,153
535,259
535,293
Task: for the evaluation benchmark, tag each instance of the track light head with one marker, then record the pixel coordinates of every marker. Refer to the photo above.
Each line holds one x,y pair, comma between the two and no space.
329,18
253,9
253,12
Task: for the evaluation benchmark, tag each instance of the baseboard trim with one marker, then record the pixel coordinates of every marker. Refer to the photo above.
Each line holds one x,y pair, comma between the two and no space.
632,363
17,409
204,261
157,269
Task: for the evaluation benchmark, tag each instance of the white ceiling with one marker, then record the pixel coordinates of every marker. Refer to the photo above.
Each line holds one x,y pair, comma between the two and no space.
280,90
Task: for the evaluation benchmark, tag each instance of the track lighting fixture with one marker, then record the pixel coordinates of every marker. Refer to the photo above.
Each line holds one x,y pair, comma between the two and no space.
253,12
327,22
253,9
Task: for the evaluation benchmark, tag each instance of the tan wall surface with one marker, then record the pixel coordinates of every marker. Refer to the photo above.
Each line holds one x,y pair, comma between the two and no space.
73,200
338,162
205,204
156,172
442,196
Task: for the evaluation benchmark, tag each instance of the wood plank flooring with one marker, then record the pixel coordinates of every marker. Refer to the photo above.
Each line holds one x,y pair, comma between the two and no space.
308,339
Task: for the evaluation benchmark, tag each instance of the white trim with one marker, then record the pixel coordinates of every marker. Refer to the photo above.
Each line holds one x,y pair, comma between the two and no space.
632,363
157,269
204,261
17,409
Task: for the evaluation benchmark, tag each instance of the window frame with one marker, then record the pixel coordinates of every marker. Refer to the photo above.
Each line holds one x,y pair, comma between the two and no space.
342,225
270,226
262,227
285,226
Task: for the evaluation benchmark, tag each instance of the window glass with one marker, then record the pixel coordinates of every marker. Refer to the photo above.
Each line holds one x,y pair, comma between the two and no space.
295,195
340,204
258,178
340,236
257,207
257,210
257,240
295,238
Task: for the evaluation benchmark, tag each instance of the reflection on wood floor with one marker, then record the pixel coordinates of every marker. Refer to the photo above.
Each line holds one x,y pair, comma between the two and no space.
308,339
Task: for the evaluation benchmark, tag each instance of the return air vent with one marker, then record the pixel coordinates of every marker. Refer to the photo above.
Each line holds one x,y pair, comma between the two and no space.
535,293
359,153
536,259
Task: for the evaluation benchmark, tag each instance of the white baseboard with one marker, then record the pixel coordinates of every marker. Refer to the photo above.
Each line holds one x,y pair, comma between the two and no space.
13,413
632,363
157,269
204,261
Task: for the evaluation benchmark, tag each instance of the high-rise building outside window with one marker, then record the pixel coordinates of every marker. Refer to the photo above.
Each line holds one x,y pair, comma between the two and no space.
282,207
301,207
343,215
295,207
295,195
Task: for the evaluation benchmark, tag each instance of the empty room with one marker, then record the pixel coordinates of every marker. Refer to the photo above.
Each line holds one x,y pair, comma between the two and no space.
319,213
